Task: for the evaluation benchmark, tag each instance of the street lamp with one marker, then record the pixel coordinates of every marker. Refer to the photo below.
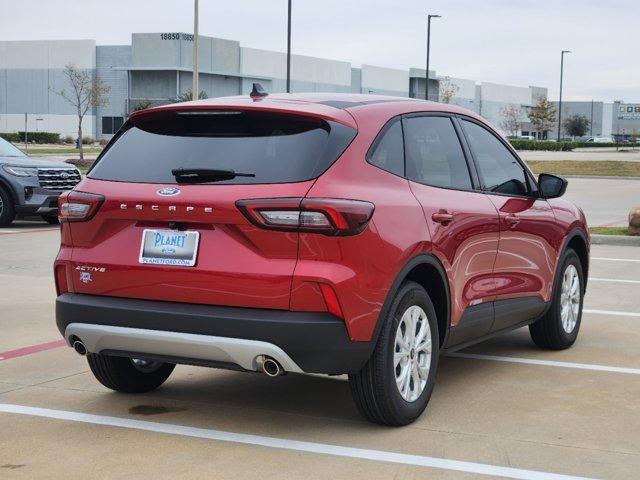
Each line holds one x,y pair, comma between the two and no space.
560,100
196,74
426,77
289,48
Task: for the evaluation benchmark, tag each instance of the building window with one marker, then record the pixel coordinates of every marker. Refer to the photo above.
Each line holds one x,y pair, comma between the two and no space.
111,125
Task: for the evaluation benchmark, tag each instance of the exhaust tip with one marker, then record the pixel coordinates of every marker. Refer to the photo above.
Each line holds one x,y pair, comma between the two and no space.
79,347
271,368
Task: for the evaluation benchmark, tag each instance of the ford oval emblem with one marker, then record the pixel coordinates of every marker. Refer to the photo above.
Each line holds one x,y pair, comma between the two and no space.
168,191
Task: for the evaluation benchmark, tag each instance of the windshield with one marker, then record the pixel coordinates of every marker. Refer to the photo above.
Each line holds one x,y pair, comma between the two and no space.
269,148
9,150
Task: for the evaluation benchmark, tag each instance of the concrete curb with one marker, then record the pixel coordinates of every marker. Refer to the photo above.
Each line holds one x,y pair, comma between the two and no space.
601,177
619,240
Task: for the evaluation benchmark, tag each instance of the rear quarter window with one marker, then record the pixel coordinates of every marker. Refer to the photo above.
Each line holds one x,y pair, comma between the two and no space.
276,148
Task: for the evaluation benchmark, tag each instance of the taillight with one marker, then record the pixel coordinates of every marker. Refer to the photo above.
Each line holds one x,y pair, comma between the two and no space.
78,206
328,216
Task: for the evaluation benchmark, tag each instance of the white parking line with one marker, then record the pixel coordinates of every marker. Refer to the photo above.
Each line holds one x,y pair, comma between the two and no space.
285,444
613,280
607,259
547,363
612,312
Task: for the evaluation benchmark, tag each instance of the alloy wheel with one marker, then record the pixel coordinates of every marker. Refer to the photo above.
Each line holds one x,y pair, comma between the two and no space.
570,299
412,353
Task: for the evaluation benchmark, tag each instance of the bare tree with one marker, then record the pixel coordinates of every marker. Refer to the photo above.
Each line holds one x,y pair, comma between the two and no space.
510,119
543,116
87,91
447,89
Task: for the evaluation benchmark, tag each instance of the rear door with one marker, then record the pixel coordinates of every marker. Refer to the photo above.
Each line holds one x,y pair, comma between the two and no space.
526,255
462,221
236,263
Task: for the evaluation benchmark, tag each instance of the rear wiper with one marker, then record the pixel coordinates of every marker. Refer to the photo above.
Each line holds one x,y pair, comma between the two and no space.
204,175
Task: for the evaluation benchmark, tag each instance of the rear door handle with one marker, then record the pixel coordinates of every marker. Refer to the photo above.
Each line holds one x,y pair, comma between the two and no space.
511,220
442,217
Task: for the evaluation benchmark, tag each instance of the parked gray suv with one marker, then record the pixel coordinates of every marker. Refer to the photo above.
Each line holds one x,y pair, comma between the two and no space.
31,186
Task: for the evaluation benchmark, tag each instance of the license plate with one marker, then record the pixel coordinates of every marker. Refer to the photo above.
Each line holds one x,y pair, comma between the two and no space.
169,247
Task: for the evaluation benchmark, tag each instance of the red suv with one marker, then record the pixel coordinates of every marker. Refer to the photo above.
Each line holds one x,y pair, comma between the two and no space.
325,233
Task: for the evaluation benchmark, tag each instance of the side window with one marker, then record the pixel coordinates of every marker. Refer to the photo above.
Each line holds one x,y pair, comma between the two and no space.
388,153
434,154
499,170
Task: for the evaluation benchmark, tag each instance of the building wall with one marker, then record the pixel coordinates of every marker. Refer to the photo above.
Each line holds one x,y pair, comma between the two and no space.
157,67
153,85
495,97
582,108
31,77
111,64
66,125
308,74
417,82
607,119
625,120
384,81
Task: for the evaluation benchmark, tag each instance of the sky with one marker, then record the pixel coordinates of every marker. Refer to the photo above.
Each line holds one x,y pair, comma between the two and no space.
504,41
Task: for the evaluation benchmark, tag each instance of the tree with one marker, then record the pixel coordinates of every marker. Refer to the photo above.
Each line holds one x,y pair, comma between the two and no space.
87,91
576,125
542,116
447,89
188,96
510,119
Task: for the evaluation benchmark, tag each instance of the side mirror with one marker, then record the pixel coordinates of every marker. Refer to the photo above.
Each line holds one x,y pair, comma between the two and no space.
551,186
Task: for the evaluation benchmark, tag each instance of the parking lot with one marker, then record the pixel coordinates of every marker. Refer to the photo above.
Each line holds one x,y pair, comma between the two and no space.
500,409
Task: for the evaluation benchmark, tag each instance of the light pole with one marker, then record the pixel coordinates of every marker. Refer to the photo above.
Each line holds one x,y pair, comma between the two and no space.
289,48
196,74
560,100
426,76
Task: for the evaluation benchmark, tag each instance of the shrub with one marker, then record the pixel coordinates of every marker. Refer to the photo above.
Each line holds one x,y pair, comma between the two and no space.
543,145
68,140
32,137
103,142
11,137
608,144
87,140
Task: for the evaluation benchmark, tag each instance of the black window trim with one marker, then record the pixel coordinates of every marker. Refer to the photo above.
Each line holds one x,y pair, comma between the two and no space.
531,182
472,176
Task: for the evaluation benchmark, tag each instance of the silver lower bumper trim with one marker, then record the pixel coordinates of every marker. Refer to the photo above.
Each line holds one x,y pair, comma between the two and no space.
245,353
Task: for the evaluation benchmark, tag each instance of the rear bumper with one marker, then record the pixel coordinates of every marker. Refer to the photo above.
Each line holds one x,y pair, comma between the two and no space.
201,334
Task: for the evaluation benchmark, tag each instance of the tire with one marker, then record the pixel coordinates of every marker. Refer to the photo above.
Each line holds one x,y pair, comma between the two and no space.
51,219
122,374
7,208
550,332
375,389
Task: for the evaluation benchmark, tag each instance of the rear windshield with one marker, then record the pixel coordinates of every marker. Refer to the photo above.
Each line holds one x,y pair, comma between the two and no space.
275,148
